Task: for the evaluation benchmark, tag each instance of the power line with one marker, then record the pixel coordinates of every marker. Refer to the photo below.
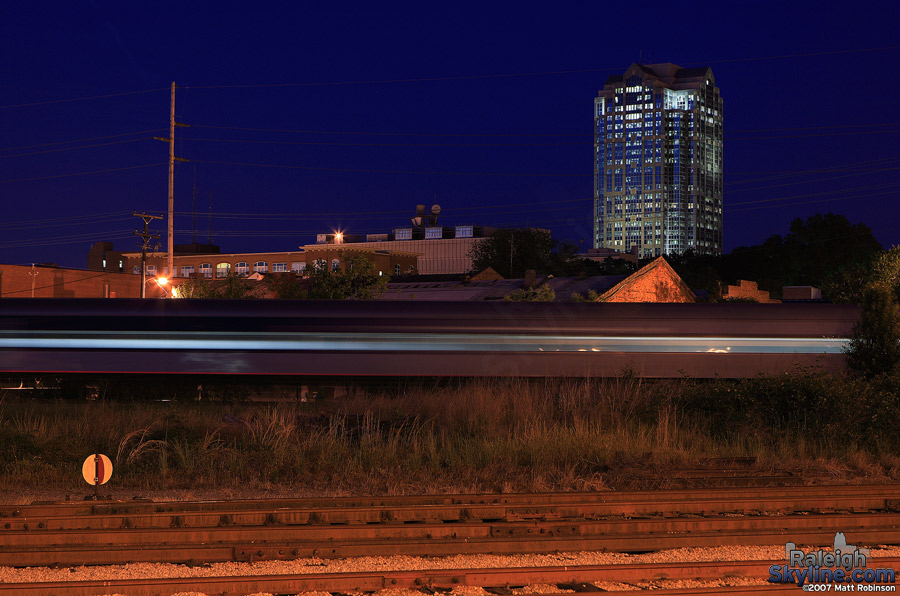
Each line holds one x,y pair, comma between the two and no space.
26,226
366,171
70,218
528,74
468,145
87,237
587,135
815,194
867,195
54,101
124,134
73,148
814,180
149,165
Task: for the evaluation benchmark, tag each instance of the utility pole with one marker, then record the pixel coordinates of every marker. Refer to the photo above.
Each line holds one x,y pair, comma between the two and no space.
146,236
171,246
34,274
172,160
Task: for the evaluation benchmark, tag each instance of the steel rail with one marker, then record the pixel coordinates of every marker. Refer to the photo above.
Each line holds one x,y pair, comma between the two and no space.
460,507
419,579
433,514
181,544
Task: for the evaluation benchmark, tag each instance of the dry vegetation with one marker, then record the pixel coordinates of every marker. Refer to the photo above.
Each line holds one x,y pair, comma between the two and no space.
489,435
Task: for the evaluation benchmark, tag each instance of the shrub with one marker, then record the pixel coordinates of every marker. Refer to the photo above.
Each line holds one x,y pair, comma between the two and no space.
875,340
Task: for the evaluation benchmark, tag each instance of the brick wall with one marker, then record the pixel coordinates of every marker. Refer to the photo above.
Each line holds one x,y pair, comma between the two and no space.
747,290
54,282
655,282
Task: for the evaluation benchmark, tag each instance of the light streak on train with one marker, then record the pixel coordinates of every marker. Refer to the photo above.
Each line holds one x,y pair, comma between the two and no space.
359,338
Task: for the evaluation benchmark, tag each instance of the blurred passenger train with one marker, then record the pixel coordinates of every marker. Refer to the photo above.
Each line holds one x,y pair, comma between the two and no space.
417,339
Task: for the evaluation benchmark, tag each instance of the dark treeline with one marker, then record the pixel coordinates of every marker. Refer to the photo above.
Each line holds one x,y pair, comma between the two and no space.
825,251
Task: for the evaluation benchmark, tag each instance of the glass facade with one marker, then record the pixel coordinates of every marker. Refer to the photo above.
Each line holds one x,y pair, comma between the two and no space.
658,161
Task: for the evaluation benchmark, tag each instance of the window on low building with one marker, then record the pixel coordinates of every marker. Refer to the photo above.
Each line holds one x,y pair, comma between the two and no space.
206,270
242,269
335,264
279,268
187,270
223,270
151,270
397,269
298,267
261,267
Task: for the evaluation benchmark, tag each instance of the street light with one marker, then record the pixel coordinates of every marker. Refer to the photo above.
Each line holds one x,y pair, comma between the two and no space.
161,282
338,237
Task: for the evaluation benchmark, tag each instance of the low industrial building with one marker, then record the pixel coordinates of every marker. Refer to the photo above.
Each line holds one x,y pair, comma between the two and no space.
217,265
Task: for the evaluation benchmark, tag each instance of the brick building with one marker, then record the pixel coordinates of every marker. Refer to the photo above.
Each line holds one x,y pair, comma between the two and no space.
17,281
747,290
655,282
219,265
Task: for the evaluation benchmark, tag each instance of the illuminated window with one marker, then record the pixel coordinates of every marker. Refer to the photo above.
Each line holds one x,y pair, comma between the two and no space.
151,269
187,271
242,269
206,270
261,267
223,269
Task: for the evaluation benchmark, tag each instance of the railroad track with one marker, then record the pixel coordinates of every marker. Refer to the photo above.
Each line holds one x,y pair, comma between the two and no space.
497,581
95,533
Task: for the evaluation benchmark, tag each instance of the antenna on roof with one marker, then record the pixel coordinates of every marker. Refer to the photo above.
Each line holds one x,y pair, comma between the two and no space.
194,215
209,233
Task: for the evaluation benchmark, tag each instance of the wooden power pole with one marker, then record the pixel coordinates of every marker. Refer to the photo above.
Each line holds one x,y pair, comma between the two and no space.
171,246
172,159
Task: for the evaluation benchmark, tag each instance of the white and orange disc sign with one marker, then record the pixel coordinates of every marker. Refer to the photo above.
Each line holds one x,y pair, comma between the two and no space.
97,469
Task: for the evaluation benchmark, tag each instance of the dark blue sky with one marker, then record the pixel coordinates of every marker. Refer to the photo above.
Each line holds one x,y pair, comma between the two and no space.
372,108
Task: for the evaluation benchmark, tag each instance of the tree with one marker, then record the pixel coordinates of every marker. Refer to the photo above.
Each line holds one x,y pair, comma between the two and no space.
358,281
875,340
543,293
232,287
804,256
886,270
511,252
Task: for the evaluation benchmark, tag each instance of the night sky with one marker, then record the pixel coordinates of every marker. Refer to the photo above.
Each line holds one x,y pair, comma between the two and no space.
355,112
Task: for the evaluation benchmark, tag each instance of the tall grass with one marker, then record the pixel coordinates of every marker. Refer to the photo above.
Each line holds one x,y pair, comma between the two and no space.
482,435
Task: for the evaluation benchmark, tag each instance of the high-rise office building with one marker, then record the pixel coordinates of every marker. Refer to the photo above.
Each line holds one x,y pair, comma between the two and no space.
658,161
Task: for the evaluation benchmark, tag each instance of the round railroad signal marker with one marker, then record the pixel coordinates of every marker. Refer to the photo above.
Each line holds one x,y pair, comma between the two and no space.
97,469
